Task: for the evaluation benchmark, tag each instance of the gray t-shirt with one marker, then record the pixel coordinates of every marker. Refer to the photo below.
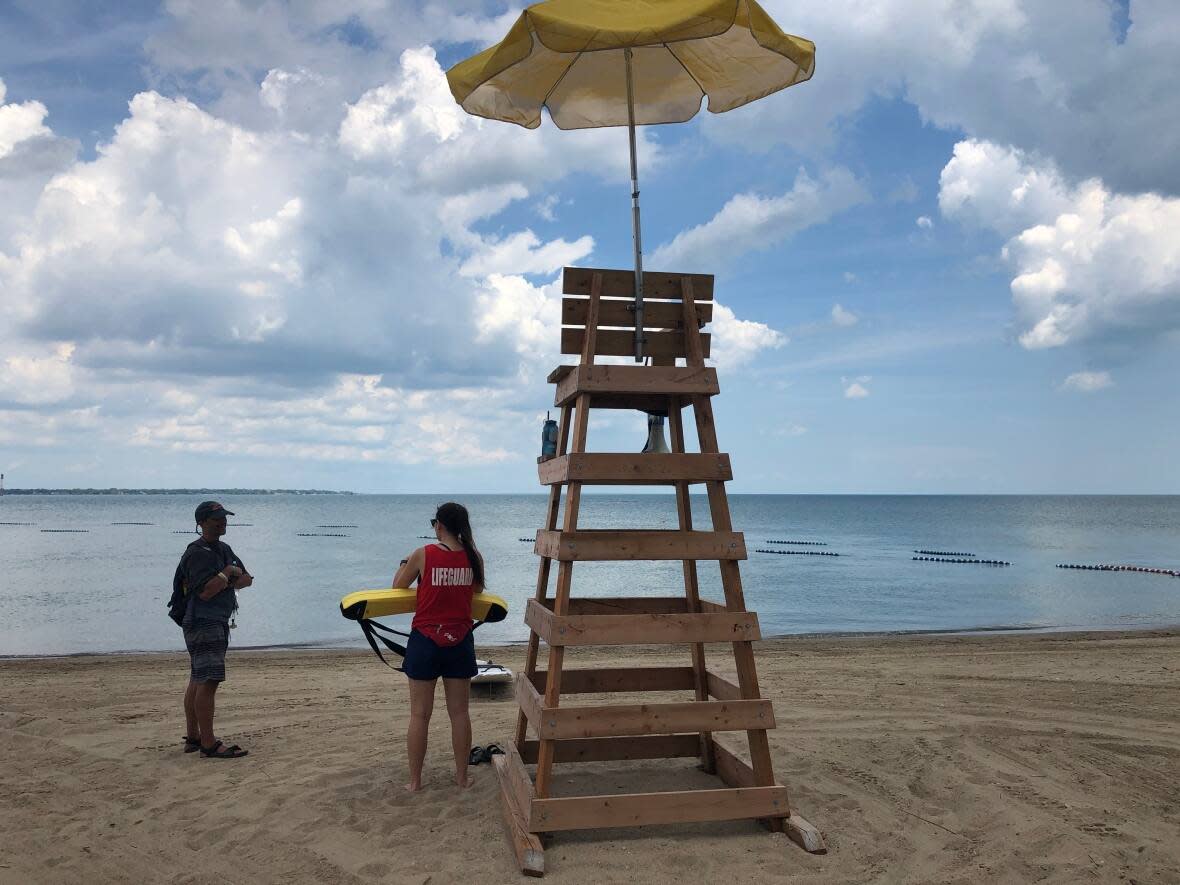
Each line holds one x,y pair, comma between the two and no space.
202,560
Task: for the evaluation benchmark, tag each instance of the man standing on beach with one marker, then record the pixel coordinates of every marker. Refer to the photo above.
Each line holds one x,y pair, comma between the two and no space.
211,573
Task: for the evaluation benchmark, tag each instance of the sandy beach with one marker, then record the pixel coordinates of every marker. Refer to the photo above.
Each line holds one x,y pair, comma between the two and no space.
1014,758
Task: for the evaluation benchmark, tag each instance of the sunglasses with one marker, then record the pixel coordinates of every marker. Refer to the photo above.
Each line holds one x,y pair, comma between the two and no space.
433,523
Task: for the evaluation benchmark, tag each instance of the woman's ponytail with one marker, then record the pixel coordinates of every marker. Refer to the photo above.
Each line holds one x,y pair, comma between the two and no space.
454,517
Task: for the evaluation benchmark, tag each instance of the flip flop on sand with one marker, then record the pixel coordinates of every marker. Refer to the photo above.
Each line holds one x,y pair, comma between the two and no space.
191,744
492,750
221,751
476,756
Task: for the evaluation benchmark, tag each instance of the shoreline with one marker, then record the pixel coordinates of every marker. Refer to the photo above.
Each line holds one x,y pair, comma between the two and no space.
1064,631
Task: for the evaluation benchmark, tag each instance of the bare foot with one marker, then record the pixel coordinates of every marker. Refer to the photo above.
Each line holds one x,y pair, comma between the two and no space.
467,781
413,788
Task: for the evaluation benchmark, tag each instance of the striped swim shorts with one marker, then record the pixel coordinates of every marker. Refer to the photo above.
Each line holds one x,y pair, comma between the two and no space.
207,642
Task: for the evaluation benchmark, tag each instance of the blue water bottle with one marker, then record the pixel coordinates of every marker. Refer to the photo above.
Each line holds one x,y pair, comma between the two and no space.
549,438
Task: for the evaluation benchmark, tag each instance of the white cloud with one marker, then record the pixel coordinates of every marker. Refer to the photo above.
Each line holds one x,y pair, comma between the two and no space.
843,317
749,222
1045,75
854,388
1088,382
38,379
924,222
850,277
736,341
1089,263
20,122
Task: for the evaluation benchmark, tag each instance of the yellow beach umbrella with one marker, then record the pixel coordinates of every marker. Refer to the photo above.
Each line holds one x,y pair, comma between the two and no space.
630,62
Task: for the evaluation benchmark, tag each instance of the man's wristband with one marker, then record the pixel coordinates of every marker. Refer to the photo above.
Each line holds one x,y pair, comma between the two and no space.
223,577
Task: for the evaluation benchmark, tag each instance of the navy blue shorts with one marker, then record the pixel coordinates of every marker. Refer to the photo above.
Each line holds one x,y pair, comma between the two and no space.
425,660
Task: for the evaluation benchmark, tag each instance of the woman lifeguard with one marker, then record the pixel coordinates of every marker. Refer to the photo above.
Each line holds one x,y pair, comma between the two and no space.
449,573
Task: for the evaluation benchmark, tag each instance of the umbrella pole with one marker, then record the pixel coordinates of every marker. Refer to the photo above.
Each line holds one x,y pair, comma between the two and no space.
635,227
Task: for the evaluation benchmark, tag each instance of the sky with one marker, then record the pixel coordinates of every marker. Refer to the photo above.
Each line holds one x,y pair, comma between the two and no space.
252,243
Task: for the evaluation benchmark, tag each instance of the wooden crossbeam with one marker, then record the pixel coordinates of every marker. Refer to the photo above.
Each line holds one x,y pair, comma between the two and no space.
638,629
634,469
620,313
605,544
651,380
641,809
657,285
612,679
618,749
618,342
557,723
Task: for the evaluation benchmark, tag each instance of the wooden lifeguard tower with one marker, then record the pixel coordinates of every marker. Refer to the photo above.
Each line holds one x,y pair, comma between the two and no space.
599,320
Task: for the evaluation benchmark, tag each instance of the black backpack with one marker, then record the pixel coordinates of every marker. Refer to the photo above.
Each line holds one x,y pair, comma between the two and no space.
179,600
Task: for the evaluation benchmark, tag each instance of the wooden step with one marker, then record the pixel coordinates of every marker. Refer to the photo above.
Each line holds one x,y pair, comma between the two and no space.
632,387
634,469
639,629
618,720
640,809
598,545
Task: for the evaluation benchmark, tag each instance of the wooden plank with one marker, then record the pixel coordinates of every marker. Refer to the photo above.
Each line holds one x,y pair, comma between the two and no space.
648,746
621,283
552,513
692,596
620,313
621,679
648,380
734,771
528,698
641,809
805,835
634,469
617,342
626,605
623,719
722,689
516,800
709,606
557,374
590,337
597,545
640,629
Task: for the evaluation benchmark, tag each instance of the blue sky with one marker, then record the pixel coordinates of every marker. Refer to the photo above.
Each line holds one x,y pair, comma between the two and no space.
257,244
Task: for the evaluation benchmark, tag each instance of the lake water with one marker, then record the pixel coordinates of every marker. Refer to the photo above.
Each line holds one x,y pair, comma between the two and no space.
105,589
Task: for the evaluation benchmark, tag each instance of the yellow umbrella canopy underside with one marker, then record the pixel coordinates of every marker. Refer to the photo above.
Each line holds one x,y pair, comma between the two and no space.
567,55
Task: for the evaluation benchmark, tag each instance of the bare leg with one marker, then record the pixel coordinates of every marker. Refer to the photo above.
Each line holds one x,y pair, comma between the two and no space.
204,696
457,692
421,706
191,728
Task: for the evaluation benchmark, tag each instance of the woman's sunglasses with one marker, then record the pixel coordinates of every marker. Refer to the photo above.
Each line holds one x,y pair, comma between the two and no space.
433,523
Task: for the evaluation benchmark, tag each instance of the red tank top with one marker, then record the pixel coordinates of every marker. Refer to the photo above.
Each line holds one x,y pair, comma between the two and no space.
445,589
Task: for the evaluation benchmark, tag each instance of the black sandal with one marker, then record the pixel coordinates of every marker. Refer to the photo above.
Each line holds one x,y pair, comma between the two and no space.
477,755
221,751
191,744
492,750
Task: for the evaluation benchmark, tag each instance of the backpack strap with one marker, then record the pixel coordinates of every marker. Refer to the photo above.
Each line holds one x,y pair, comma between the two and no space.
369,628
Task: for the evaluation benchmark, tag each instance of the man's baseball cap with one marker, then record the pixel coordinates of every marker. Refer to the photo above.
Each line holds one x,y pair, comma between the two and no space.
207,509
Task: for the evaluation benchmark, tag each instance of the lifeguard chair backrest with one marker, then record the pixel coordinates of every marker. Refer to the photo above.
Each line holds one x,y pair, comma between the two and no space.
663,312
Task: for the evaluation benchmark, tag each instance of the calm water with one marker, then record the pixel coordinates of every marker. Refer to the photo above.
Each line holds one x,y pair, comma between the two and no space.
104,590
